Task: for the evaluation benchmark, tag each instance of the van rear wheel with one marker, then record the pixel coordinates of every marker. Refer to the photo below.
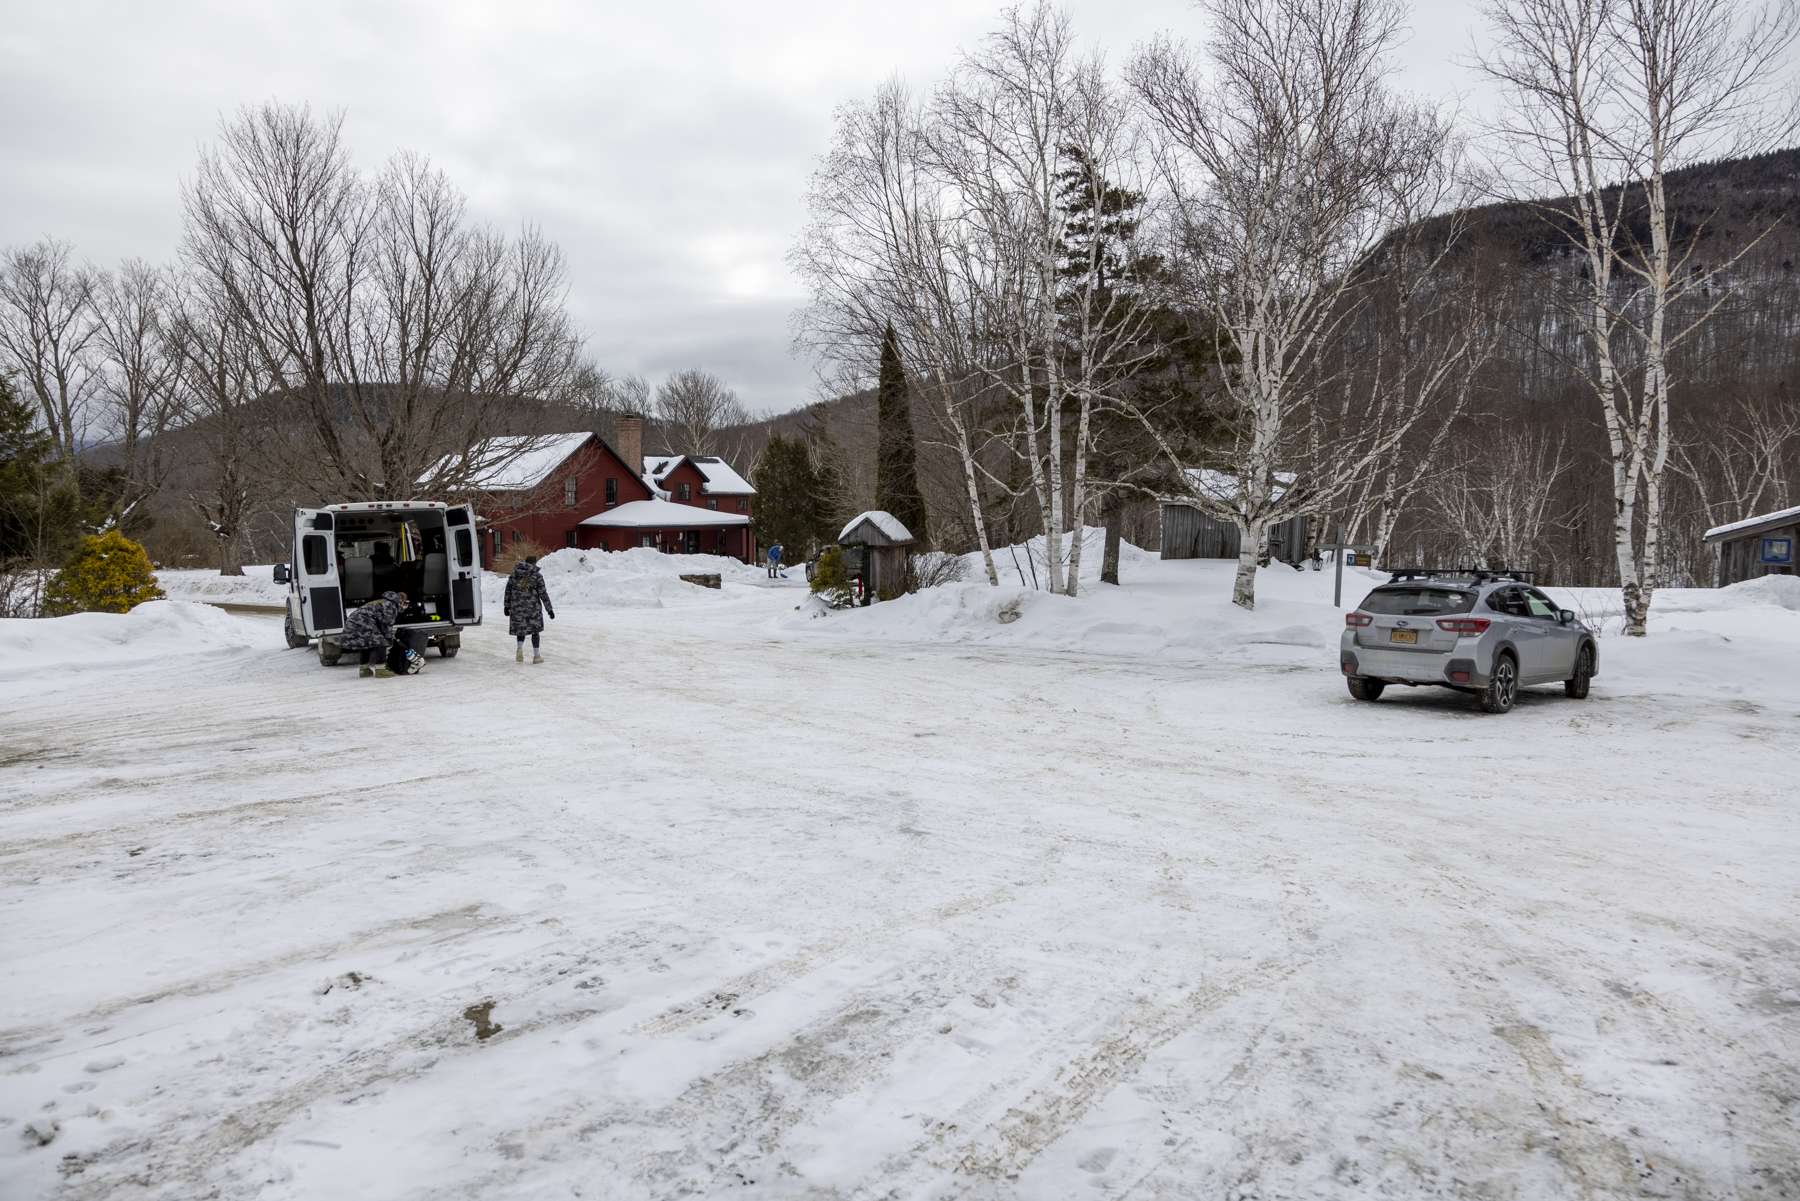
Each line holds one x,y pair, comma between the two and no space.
294,641
446,651
328,653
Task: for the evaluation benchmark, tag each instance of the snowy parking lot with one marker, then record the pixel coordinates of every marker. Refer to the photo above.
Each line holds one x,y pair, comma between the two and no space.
1124,898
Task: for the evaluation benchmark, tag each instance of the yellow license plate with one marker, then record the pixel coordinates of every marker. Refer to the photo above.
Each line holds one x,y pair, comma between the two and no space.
1403,635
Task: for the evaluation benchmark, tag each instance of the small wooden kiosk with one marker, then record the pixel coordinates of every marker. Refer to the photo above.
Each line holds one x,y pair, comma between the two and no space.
878,545
1758,546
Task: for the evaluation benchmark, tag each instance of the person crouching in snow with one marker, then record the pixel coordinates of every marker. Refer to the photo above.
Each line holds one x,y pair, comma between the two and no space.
527,603
369,631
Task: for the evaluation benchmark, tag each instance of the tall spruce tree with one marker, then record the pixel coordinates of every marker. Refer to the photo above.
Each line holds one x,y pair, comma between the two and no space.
896,450
39,505
790,506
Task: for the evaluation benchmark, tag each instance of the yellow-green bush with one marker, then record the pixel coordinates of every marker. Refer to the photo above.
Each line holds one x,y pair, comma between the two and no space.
108,573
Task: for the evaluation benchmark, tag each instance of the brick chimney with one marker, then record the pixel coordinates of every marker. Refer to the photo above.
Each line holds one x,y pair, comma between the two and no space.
628,440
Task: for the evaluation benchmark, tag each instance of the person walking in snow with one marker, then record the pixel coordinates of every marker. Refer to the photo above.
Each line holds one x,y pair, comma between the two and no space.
369,631
775,561
527,603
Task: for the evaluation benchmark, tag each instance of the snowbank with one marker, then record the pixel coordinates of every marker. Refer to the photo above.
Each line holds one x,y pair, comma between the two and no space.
256,586
639,578
1715,639
153,630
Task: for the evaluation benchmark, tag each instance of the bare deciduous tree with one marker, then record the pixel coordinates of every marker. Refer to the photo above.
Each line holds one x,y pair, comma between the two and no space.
138,356
222,377
47,329
1606,98
1292,163
1500,504
402,334
694,408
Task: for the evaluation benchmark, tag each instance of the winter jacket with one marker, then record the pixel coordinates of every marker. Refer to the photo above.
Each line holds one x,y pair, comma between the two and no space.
775,553
371,626
527,600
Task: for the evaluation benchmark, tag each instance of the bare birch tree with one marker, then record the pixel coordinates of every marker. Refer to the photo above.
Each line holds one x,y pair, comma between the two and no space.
399,334
1501,504
886,245
47,329
1292,163
1606,97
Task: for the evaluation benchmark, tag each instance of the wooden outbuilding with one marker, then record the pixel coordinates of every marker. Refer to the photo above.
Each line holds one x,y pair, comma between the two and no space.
1757,546
1191,531
879,544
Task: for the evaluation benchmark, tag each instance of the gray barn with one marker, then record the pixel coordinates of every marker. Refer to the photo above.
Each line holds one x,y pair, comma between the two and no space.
1188,533
1757,546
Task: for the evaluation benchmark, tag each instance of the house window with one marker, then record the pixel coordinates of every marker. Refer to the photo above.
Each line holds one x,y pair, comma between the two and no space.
712,504
648,540
612,491
743,505
517,537
569,538
686,491
569,493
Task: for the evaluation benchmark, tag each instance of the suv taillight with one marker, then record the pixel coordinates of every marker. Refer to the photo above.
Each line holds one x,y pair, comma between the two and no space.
1463,625
1357,620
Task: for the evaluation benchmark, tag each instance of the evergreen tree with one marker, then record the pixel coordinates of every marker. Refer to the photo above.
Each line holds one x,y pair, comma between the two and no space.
38,504
787,496
831,579
830,488
896,450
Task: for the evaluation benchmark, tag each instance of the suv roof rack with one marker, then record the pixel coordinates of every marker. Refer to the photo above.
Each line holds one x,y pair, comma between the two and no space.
1479,575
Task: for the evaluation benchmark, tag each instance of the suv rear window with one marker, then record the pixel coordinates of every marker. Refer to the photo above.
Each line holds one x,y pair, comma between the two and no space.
1418,602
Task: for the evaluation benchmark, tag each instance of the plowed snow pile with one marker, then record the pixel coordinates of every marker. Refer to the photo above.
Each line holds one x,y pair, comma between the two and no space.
629,579
153,630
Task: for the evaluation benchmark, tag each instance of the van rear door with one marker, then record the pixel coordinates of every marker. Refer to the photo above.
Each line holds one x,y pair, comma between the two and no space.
465,566
316,572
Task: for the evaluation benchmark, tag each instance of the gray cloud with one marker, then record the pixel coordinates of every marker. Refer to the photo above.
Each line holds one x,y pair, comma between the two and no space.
666,146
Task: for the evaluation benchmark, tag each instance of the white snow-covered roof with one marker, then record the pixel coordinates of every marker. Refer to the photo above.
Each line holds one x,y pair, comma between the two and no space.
1779,517
721,478
520,463
663,514
882,520
1225,486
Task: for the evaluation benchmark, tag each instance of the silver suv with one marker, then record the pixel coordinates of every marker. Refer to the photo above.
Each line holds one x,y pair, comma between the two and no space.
1489,633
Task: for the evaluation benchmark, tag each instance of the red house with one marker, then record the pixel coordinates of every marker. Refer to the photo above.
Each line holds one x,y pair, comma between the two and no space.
576,490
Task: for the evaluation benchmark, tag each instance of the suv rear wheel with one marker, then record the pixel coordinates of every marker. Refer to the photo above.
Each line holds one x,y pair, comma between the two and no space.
1577,685
1364,689
1502,686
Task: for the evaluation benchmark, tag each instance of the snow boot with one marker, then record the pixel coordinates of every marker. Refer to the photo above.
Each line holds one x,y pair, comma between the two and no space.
382,673
536,658
365,671
519,655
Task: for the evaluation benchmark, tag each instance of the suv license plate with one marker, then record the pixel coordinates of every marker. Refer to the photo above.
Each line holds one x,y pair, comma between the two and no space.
1403,636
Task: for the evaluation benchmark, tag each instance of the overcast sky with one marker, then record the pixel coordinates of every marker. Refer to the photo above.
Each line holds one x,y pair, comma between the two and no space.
665,144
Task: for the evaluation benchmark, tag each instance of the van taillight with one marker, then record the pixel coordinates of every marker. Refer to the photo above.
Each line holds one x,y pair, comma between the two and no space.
1463,625
1357,620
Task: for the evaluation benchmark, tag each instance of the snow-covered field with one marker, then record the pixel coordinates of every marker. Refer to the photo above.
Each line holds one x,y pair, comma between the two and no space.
1120,898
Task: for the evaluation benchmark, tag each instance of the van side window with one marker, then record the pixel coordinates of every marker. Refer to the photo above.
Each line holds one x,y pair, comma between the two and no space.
313,549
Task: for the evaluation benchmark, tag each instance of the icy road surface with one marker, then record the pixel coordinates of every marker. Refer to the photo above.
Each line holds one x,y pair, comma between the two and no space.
707,907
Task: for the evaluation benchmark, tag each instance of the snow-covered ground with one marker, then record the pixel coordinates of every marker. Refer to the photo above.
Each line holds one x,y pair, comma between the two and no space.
1120,898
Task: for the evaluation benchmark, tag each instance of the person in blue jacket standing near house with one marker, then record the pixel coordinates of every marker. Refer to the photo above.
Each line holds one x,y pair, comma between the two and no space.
775,561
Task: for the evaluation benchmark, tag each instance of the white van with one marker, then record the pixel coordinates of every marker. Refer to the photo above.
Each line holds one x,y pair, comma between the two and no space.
347,555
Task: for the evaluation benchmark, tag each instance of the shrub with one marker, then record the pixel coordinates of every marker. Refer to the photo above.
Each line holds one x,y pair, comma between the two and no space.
830,582
108,573
935,568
